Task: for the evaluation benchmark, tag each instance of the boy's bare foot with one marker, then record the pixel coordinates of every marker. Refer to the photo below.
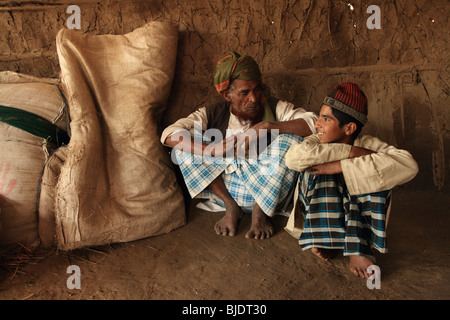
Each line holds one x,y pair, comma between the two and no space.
359,265
261,227
227,226
324,254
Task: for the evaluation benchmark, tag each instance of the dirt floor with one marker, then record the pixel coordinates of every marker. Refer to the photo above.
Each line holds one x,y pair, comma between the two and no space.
193,263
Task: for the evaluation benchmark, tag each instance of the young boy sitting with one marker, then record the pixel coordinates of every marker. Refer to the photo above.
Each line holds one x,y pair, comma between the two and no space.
345,181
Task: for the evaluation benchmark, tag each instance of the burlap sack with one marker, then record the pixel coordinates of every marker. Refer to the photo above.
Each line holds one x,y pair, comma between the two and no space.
23,154
117,183
47,191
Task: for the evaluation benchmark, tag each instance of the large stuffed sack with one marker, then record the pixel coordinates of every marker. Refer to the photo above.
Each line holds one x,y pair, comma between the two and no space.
116,183
31,121
47,191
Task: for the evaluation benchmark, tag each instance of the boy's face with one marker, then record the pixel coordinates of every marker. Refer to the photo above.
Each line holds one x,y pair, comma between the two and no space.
327,127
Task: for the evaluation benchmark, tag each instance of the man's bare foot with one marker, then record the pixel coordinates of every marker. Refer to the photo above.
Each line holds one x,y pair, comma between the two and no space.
359,265
261,227
324,254
227,226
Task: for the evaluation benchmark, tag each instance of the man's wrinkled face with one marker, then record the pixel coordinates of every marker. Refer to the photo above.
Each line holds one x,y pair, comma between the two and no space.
245,99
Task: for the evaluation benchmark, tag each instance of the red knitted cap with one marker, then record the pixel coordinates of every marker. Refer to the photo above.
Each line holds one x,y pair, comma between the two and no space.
348,98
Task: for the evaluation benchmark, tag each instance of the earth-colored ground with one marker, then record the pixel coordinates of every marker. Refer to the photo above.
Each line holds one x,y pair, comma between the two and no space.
193,263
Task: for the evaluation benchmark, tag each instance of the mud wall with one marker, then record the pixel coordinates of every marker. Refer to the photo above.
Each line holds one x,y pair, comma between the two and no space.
303,47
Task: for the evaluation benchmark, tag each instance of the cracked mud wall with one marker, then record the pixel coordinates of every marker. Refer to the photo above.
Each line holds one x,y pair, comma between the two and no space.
303,47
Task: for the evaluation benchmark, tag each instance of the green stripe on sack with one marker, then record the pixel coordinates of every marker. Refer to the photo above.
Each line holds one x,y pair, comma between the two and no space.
33,124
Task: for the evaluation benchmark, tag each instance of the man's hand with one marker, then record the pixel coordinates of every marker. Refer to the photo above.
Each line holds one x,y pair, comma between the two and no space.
262,125
224,148
298,127
333,167
247,143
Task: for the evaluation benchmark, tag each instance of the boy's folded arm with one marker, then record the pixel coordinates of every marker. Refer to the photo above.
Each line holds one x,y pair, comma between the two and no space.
381,170
375,167
311,152
359,152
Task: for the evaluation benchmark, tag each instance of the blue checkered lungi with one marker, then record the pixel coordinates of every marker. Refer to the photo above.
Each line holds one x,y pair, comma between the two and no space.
265,180
336,220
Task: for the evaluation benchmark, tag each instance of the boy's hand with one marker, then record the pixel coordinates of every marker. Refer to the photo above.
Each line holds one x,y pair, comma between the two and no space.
327,168
359,152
